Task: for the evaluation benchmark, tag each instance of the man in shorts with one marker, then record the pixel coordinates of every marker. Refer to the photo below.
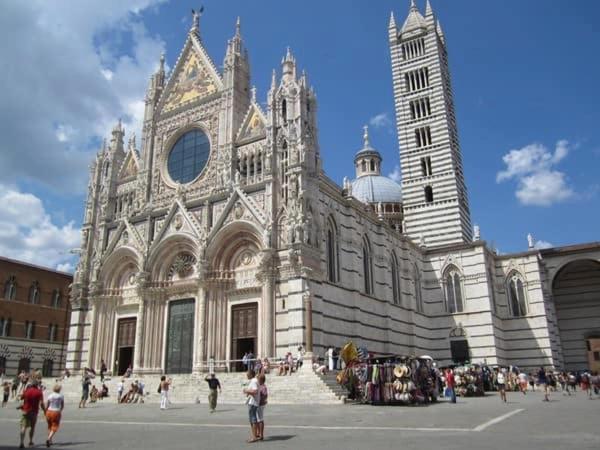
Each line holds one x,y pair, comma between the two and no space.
501,382
33,400
253,402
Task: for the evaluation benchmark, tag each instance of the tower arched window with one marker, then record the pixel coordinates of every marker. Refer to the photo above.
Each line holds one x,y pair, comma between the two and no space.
34,293
516,295
333,274
428,194
418,294
10,288
367,267
284,109
453,290
396,283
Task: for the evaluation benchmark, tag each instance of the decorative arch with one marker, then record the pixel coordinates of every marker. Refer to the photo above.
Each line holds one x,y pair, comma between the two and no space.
34,293
560,270
367,265
332,250
229,241
119,268
164,261
453,289
516,292
10,288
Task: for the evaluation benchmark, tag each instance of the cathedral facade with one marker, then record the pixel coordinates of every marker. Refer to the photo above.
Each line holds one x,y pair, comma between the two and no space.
222,234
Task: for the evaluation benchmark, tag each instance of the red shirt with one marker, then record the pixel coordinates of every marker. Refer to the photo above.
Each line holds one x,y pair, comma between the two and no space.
450,380
32,397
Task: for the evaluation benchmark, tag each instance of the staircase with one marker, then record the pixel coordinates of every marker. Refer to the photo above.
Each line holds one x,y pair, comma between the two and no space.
329,379
303,387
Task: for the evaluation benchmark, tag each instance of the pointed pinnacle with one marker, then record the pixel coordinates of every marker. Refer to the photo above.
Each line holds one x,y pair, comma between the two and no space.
237,26
366,136
392,20
162,61
413,5
253,91
273,79
428,9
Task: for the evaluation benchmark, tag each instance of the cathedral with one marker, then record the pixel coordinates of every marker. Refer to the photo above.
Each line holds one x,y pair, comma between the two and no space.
220,233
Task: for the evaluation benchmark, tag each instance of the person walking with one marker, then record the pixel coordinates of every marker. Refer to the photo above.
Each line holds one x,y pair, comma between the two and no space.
102,370
164,391
522,377
501,383
55,403
85,391
5,393
253,401
33,400
264,395
330,353
213,385
245,361
450,383
543,380
120,388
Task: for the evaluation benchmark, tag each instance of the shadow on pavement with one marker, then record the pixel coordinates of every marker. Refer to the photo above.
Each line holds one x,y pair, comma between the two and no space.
281,437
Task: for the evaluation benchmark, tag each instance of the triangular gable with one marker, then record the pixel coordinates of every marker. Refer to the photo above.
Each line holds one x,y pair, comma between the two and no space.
238,197
194,77
253,126
125,235
178,221
130,166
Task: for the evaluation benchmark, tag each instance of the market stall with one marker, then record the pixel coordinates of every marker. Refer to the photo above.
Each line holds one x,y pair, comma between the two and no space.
469,381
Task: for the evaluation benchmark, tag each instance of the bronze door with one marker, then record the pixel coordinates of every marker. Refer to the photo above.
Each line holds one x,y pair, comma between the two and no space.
244,327
180,336
125,344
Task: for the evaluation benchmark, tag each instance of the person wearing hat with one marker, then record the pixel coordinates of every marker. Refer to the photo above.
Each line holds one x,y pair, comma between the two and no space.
213,385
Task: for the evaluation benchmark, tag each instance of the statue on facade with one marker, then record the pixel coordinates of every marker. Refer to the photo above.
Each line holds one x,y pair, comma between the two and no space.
530,241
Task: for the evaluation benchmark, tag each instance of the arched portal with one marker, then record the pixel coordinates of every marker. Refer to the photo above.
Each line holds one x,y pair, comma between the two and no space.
576,293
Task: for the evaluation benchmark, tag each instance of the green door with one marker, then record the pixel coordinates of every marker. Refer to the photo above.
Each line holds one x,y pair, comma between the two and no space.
180,336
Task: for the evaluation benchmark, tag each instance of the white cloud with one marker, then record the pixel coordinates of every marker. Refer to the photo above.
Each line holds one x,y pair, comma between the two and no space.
538,183
543,244
70,79
396,175
380,121
27,232
65,267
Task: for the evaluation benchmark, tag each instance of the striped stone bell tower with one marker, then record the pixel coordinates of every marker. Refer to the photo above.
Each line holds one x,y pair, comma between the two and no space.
435,201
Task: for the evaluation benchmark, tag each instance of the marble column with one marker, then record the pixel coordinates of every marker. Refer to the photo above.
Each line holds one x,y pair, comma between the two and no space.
138,357
268,330
308,325
199,328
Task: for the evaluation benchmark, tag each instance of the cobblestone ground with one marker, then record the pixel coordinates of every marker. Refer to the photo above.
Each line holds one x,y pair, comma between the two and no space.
525,422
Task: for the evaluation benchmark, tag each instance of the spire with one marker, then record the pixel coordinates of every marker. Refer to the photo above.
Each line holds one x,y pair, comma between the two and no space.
238,27
414,21
428,9
116,143
440,32
392,23
288,66
253,93
368,160
273,80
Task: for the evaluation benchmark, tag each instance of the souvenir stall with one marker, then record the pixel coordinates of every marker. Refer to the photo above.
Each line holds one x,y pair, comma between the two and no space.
469,381
388,380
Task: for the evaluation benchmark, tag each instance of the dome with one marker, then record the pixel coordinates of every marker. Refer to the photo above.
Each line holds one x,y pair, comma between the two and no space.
375,189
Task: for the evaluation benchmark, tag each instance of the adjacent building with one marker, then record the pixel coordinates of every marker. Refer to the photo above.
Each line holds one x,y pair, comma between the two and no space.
221,233
34,318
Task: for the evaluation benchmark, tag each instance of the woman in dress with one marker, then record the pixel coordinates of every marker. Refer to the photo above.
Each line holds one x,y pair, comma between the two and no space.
54,406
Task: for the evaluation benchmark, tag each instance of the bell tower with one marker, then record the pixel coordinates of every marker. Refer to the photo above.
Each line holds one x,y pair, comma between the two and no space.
435,201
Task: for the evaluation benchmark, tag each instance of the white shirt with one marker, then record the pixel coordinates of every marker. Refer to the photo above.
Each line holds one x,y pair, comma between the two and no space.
522,377
55,401
120,386
500,378
254,400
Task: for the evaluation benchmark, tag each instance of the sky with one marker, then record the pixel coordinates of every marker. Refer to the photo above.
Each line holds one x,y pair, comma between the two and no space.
524,73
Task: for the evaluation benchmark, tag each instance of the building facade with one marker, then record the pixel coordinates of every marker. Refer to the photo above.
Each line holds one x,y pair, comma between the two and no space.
34,318
223,234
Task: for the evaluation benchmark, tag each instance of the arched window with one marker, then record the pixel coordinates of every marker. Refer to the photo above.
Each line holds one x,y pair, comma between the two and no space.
453,290
367,267
10,288
396,284
333,273
428,194
56,299
284,109
47,368
417,283
106,168
34,293
516,295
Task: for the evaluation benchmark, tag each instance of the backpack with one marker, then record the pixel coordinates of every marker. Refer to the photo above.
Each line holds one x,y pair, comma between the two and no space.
159,388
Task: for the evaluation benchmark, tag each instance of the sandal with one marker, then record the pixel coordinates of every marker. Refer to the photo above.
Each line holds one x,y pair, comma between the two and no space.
250,441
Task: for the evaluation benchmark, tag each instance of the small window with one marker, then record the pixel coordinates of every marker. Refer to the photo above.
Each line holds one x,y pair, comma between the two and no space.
10,288
284,109
332,253
367,268
426,166
29,329
47,368
396,285
56,299
5,327
34,293
454,296
596,356
52,329
428,194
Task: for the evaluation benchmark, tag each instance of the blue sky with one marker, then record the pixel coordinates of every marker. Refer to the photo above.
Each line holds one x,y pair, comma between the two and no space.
524,75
